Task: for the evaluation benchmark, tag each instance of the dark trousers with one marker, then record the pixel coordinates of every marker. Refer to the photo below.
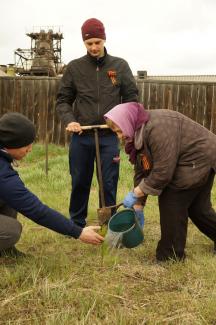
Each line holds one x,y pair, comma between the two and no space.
10,228
175,207
81,159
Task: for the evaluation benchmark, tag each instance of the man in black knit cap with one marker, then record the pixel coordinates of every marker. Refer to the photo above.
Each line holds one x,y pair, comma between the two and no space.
17,134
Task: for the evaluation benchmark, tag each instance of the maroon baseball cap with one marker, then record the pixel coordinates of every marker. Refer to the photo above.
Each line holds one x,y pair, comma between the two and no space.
93,28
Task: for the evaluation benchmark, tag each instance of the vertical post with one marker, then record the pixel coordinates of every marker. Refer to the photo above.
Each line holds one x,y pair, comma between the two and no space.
46,154
99,171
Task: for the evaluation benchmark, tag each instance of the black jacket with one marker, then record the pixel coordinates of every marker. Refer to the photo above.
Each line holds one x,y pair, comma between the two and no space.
94,86
14,194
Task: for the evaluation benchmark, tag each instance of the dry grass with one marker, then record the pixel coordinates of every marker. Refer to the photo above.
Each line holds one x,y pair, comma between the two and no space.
66,282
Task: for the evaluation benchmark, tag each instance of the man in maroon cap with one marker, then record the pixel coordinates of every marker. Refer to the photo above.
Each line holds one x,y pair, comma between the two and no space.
89,88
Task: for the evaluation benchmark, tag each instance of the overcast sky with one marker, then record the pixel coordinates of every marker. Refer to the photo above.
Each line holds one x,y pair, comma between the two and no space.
160,36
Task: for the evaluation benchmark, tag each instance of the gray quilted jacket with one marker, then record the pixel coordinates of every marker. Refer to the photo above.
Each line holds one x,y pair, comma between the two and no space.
181,152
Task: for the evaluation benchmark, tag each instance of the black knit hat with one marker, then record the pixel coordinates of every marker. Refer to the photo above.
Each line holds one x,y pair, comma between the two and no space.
16,131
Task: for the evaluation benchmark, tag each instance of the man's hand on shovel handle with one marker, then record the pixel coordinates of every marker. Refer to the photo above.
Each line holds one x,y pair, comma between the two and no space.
90,236
74,127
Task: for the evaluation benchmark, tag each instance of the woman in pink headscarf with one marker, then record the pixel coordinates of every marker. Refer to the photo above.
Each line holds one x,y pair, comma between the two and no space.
125,129
175,159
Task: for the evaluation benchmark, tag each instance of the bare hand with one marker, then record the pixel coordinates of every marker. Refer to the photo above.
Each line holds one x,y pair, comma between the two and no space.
90,236
138,192
74,127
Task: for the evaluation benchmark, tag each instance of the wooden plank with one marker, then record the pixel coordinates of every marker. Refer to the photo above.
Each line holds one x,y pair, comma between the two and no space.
1,95
18,97
60,132
160,97
167,98
181,99
7,95
153,95
208,113
56,129
189,103
51,110
148,96
141,91
35,107
11,95
175,93
28,98
193,102
201,104
43,109
213,118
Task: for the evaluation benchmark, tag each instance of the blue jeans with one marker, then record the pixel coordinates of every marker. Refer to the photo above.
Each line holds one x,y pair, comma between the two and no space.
82,155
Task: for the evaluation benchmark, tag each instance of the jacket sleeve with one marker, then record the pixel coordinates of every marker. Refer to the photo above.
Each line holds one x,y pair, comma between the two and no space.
163,142
14,193
129,91
66,95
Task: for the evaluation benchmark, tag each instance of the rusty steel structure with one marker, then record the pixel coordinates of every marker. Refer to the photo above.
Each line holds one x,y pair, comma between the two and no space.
44,56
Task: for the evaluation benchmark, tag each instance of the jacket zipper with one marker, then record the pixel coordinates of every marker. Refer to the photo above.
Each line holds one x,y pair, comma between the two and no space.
98,90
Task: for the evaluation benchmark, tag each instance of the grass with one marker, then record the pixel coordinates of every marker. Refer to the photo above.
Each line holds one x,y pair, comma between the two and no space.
64,281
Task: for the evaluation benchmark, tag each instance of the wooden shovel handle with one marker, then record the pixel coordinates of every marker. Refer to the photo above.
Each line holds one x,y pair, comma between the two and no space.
91,127
114,206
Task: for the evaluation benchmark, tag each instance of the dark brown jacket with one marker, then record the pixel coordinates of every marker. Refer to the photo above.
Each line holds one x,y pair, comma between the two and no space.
181,152
94,86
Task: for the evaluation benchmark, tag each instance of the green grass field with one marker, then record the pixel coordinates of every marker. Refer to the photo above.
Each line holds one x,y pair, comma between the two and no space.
64,281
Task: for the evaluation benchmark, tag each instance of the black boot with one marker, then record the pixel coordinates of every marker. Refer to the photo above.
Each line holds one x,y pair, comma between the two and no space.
12,252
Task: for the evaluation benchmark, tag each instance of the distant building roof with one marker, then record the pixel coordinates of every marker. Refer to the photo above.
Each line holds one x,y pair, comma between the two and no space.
142,74
207,78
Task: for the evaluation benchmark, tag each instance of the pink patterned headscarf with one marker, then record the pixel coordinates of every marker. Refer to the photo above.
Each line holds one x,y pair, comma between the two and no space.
129,117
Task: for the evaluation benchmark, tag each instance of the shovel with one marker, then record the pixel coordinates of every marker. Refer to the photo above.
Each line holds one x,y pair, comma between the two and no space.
104,213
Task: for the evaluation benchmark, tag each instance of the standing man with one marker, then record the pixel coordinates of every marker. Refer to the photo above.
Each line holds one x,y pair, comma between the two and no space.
90,87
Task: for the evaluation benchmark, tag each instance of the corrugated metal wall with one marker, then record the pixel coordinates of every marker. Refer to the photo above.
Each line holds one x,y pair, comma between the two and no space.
35,97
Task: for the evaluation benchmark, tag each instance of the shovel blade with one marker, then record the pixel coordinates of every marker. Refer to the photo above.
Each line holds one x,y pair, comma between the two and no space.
104,214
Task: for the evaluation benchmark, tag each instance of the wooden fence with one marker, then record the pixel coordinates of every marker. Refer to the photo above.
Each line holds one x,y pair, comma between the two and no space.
35,97
196,100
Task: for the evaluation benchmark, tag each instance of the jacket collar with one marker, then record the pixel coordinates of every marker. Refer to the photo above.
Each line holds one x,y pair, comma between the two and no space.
139,137
98,62
5,155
